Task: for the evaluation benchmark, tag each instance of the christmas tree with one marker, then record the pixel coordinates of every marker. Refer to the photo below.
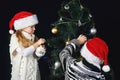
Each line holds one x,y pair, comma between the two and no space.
74,19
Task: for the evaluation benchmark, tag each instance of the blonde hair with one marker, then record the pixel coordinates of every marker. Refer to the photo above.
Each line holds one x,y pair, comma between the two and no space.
23,40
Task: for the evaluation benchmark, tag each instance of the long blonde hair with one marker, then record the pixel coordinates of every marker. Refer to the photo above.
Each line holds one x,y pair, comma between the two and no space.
23,40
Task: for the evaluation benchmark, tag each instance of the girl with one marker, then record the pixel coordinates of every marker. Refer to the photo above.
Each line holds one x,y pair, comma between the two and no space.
25,48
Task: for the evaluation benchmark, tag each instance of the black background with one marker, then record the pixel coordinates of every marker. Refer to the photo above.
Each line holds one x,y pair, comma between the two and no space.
105,14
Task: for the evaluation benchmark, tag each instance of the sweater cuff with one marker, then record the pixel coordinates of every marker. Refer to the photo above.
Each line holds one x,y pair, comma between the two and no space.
75,42
27,51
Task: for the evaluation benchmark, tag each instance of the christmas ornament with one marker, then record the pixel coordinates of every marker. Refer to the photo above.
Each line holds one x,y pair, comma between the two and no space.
93,30
66,7
81,6
57,64
54,30
40,51
68,41
90,15
61,19
79,23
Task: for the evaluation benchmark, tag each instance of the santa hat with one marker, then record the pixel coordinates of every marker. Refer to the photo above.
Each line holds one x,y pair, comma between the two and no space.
22,20
95,51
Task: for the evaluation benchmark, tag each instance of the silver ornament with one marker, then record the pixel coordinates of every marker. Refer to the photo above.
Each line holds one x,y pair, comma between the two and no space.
57,64
61,19
66,7
90,15
93,30
81,6
79,23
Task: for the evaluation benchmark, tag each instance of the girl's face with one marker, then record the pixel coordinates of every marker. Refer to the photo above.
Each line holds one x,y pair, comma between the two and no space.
30,29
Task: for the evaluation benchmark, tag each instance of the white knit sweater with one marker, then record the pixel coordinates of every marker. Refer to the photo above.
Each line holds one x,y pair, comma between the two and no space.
23,67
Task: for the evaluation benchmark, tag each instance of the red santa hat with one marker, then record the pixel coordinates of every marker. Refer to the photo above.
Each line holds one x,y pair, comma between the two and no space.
95,51
22,20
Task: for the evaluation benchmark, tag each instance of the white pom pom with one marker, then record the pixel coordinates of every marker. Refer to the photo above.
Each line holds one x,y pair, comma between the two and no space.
106,68
11,31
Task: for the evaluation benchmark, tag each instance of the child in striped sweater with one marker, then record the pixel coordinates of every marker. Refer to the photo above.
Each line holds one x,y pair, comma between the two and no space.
94,54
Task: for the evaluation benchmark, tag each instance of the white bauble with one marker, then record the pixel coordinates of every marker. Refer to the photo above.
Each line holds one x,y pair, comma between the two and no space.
93,30
57,64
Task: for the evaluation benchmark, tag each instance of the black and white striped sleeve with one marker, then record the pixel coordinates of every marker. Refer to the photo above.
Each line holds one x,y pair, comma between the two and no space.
65,54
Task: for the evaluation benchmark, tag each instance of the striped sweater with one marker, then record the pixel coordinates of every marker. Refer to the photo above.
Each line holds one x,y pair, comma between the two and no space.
75,70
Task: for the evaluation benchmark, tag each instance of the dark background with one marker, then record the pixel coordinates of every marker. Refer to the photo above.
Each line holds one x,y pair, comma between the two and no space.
105,14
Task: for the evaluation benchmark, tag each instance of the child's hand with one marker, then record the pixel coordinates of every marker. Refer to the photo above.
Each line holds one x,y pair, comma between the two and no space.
82,39
41,41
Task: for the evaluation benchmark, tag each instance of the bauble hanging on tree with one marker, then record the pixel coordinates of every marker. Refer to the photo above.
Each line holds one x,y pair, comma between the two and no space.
54,30
93,30
68,41
66,7
57,64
